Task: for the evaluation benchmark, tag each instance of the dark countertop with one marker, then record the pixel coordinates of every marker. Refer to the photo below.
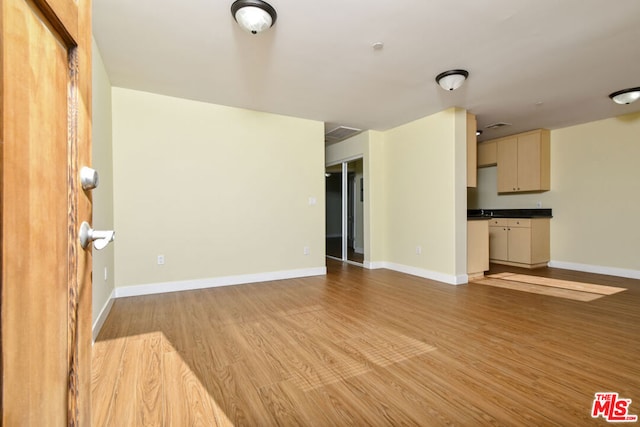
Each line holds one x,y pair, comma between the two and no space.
508,213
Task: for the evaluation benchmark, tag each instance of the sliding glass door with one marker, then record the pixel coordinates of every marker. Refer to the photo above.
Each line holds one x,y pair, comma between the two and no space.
345,211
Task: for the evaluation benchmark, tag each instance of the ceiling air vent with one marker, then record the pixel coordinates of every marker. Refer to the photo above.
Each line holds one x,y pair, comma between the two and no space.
340,133
497,125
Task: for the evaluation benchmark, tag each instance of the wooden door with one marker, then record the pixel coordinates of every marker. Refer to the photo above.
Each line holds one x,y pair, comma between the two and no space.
529,162
46,282
507,159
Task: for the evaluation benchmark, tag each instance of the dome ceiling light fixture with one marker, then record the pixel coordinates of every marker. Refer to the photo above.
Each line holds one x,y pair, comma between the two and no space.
452,79
253,16
626,96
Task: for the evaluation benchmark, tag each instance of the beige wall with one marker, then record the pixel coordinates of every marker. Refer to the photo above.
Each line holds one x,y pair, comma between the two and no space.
425,174
595,195
359,206
218,191
102,161
375,199
415,195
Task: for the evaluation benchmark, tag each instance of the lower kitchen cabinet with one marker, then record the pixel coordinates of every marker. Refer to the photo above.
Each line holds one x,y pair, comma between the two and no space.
522,242
477,248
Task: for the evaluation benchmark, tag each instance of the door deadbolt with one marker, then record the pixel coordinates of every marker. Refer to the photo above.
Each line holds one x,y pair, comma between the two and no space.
88,178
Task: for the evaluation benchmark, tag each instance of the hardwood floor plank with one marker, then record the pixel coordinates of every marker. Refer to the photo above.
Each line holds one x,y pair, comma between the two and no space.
367,347
106,359
286,401
149,387
281,407
125,401
187,401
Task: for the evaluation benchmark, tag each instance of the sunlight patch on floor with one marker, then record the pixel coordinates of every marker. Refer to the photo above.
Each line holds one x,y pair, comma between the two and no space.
577,291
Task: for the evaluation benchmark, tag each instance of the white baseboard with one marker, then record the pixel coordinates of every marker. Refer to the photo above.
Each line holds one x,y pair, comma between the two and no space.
374,265
188,285
420,272
97,325
599,269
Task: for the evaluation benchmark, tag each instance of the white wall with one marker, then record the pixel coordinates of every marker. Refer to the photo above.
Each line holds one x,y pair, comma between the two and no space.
218,191
102,161
595,188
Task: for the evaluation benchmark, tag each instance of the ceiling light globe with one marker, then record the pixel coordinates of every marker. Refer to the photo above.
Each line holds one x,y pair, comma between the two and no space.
452,79
626,96
254,16
253,19
452,82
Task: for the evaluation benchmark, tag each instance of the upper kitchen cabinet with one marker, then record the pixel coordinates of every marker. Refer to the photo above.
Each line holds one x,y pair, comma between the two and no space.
524,162
472,151
487,153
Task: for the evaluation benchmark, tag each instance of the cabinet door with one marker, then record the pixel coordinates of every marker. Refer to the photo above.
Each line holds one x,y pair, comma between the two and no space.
519,245
498,243
507,158
487,154
477,246
529,162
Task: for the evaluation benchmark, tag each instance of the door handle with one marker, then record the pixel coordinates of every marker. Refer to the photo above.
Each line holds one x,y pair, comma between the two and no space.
100,238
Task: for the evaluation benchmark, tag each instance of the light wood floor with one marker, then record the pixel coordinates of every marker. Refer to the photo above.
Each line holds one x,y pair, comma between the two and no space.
363,347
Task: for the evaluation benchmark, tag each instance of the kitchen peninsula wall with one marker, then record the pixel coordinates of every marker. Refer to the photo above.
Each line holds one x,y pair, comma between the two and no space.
593,171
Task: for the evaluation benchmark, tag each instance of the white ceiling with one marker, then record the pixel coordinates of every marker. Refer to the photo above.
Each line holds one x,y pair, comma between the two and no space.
532,63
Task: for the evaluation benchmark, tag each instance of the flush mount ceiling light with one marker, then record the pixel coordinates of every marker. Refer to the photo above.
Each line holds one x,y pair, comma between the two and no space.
626,96
253,16
452,79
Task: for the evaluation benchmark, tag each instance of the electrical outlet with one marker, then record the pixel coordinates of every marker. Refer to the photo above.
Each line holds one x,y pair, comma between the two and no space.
418,250
160,259
106,274
539,204
306,250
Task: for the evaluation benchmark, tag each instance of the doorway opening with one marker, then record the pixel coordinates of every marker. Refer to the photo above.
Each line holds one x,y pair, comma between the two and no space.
345,211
